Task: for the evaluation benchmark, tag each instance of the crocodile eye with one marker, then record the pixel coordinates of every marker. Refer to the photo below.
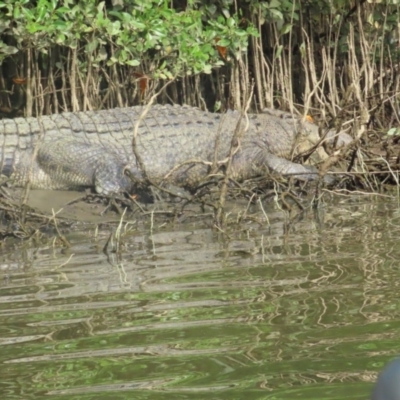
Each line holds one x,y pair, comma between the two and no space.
127,171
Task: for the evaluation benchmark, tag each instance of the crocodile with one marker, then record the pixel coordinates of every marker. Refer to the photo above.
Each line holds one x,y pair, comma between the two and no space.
118,149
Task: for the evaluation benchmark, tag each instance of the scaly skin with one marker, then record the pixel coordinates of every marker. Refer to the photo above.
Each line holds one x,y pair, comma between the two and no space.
94,149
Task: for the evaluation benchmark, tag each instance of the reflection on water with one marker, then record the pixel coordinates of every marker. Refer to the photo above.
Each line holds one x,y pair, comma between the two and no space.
308,310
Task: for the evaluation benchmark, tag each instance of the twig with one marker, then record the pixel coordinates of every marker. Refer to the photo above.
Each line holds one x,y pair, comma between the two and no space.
235,145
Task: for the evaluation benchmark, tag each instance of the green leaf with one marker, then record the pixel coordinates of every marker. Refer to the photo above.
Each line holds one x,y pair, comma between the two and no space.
393,132
72,44
92,46
17,13
114,28
28,14
132,63
137,24
226,12
100,6
274,4
223,43
3,25
41,14
286,29
61,25
207,69
278,51
212,9
60,39
112,61
102,54
9,50
231,22
277,15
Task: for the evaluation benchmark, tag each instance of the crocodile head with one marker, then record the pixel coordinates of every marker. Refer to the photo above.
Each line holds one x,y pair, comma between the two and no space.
309,137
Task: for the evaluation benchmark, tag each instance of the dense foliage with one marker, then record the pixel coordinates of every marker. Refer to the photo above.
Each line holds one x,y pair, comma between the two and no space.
66,54
143,30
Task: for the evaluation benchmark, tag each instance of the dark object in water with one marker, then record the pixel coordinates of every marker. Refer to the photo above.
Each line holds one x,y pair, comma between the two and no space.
387,386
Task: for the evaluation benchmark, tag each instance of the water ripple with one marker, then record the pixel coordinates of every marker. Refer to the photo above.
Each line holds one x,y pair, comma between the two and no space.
303,310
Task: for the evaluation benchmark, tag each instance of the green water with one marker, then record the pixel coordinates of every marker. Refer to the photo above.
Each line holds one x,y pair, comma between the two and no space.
301,310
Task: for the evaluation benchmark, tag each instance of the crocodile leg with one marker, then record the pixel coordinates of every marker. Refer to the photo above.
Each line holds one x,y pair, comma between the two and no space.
257,160
81,165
